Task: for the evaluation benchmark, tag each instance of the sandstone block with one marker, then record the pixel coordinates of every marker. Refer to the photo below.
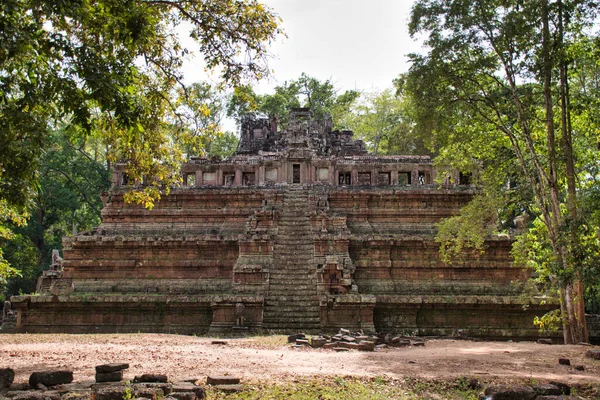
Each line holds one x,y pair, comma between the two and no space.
50,378
564,361
347,338
7,376
418,343
318,341
114,367
340,349
115,376
544,341
579,367
183,395
510,393
230,388
547,389
365,345
296,336
564,388
30,395
595,354
111,393
222,380
150,378
302,342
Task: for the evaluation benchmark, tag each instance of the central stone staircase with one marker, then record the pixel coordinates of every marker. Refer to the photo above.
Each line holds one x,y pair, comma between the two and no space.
292,302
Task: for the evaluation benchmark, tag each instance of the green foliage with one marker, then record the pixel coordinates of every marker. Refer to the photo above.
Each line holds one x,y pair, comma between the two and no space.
108,69
549,323
383,121
320,96
353,389
464,235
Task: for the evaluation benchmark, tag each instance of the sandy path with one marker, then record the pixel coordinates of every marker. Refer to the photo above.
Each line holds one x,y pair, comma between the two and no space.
269,359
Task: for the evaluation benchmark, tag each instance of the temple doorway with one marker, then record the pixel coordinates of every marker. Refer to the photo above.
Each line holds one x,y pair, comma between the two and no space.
296,173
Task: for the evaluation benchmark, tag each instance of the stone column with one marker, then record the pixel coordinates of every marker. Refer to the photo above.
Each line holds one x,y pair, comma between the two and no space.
199,178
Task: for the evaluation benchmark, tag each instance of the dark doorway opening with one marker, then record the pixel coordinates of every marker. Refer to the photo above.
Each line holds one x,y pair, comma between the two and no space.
296,173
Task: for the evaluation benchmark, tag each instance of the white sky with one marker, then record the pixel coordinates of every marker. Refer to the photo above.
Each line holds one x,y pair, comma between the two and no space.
358,44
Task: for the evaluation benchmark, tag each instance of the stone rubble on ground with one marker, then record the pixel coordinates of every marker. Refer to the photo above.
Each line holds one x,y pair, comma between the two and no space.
346,340
57,385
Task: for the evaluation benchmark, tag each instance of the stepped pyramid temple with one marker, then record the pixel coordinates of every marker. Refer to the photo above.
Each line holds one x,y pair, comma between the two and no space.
300,230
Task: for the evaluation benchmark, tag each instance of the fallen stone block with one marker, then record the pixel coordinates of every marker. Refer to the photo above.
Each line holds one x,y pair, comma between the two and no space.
219,342
149,392
382,346
50,378
544,341
595,354
579,367
296,336
343,331
564,388
347,338
150,378
331,345
318,341
7,376
112,393
400,342
419,343
115,376
302,342
222,380
340,349
114,367
183,395
30,395
230,388
564,361
365,345
165,387
547,389
510,393
188,387
83,395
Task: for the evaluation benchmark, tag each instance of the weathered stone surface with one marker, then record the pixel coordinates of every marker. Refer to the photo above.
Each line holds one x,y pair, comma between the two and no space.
547,389
296,336
593,353
112,393
318,342
31,395
510,393
302,342
183,395
115,376
579,367
7,376
232,388
222,380
400,342
113,367
366,345
544,341
150,378
219,342
564,361
78,395
564,388
418,343
50,378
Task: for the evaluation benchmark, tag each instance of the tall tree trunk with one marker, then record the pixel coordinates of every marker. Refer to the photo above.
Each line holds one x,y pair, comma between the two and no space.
580,333
570,323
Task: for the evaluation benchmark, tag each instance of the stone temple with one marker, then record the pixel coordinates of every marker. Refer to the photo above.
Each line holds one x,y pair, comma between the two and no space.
299,230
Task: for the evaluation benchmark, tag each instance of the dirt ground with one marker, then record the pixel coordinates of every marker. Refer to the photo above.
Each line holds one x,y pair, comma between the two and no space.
269,358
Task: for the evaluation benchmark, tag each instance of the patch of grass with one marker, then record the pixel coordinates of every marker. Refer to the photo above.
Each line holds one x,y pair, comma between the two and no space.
351,388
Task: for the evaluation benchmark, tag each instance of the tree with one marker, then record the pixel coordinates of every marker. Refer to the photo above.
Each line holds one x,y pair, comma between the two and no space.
110,67
384,122
500,67
321,97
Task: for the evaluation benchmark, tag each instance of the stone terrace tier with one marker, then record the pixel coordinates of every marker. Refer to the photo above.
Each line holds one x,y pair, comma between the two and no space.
298,257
